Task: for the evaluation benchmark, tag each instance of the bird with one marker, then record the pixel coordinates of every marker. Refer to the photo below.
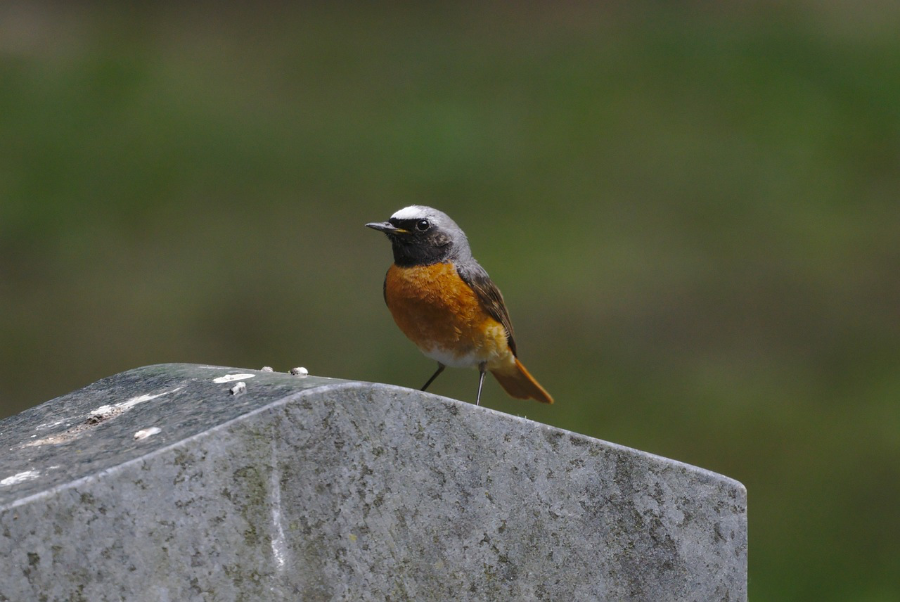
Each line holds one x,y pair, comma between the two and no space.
445,302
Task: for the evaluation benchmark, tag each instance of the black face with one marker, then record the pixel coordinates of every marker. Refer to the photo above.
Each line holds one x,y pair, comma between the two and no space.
418,225
416,241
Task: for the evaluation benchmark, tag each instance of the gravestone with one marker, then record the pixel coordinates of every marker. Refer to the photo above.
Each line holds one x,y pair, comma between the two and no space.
172,482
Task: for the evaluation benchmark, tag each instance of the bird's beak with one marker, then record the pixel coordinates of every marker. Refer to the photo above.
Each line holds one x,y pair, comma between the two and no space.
386,227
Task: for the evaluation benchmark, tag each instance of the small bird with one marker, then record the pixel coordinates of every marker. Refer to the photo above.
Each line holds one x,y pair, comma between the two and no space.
446,303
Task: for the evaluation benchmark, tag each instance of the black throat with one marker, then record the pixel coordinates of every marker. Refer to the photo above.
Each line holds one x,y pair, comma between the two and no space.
409,252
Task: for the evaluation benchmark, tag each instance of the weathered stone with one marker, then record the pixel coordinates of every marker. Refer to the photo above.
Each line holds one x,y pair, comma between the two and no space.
321,489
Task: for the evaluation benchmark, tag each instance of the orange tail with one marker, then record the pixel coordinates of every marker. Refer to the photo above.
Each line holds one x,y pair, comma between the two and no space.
520,384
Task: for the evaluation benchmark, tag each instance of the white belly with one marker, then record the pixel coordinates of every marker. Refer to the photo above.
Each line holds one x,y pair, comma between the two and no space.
471,359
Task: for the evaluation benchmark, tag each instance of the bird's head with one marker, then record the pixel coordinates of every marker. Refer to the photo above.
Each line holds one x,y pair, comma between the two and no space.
422,235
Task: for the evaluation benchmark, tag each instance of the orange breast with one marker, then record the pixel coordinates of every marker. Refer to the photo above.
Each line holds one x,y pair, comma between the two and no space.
438,311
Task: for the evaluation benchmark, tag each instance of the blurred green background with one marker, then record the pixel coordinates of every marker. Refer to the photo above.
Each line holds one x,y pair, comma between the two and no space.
692,211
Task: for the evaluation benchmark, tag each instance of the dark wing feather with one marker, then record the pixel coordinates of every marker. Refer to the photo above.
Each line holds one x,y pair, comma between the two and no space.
490,297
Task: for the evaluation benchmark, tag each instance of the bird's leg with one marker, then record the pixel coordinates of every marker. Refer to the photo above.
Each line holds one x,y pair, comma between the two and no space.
434,376
481,369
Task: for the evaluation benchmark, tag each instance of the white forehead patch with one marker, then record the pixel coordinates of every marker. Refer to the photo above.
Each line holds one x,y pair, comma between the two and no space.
411,212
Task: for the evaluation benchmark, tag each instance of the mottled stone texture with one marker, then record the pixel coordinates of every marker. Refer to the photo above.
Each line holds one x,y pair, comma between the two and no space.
319,489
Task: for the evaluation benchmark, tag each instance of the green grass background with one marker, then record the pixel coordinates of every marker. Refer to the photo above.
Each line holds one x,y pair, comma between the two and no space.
691,209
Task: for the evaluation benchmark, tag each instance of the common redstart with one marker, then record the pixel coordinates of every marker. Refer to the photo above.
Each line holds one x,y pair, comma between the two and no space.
446,303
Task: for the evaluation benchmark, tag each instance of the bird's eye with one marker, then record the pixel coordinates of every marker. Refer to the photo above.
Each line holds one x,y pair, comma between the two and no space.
423,225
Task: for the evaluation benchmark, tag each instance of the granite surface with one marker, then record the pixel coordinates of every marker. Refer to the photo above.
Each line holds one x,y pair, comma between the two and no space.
166,483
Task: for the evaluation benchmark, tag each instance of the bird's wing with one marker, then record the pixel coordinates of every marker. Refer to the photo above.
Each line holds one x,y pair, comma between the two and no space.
490,297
